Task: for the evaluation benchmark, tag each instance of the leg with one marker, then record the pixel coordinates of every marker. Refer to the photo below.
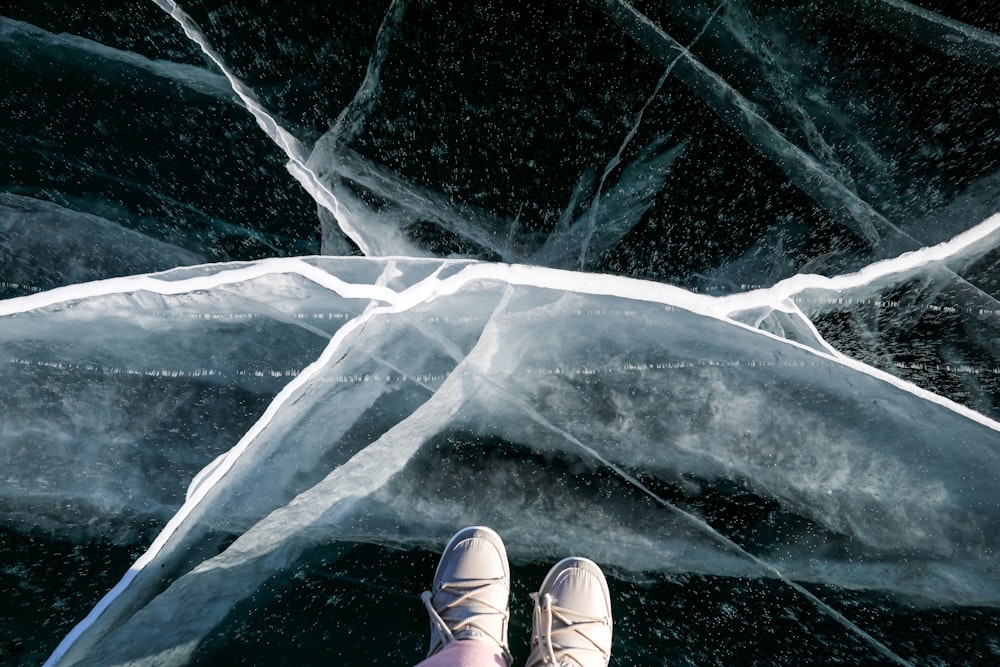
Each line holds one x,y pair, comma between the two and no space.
470,653
468,602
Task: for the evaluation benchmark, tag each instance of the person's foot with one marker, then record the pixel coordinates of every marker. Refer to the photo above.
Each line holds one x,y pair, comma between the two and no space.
572,620
469,598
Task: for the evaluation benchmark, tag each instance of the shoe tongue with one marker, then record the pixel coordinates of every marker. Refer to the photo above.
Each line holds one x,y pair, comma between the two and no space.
473,633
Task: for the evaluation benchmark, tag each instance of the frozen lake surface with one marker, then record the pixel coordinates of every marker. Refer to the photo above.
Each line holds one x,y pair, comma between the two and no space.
707,293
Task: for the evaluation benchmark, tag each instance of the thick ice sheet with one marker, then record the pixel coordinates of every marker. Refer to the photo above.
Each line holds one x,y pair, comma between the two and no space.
606,396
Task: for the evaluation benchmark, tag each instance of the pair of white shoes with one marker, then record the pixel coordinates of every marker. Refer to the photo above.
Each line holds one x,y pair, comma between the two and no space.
571,626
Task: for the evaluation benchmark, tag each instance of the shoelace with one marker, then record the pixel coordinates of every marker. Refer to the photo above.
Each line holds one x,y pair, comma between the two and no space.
572,622
472,589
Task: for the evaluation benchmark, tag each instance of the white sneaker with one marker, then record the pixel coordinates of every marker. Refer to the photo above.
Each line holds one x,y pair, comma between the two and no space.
572,620
469,599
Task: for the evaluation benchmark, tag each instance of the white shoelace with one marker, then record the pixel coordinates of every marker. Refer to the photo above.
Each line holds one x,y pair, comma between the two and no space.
467,591
572,622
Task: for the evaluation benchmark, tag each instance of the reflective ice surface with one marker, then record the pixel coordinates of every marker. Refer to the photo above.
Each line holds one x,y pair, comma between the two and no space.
705,292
